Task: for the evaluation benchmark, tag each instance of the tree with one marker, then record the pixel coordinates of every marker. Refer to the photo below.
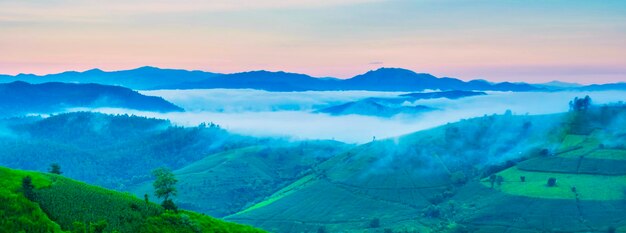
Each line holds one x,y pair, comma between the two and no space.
98,227
169,205
79,227
580,104
28,188
551,182
145,197
55,168
499,180
164,185
458,178
492,179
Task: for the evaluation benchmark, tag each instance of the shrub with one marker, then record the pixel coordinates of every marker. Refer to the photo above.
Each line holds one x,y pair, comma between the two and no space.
432,211
375,223
499,180
168,204
551,182
458,178
55,168
98,227
492,179
28,188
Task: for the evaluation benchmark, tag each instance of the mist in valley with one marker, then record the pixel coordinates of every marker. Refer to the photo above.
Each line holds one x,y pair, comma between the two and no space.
291,114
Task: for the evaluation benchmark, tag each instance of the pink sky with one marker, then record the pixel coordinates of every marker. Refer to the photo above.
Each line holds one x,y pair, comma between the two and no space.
581,42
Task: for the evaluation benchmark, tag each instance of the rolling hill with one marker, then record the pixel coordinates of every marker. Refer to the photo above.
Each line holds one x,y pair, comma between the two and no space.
373,107
113,151
391,106
60,205
440,180
242,177
20,98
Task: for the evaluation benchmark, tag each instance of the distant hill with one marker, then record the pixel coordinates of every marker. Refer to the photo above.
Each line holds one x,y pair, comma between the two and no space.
62,205
146,77
383,79
391,106
370,107
20,98
443,94
396,79
605,87
558,85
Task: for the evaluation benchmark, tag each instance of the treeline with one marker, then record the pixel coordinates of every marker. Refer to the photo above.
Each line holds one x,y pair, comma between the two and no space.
109,150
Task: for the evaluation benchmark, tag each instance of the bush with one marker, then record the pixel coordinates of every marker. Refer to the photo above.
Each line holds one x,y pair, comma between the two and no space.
169,205
375,223
499,180
458,178
551,182
28,188
432,211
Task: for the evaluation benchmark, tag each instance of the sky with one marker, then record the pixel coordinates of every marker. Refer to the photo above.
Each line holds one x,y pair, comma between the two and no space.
531,41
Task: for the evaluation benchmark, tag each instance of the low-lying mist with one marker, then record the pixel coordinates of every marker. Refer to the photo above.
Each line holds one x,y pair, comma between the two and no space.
289,114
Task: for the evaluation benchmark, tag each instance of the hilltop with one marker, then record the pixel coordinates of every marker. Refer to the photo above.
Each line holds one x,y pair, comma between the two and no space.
60,204
21,98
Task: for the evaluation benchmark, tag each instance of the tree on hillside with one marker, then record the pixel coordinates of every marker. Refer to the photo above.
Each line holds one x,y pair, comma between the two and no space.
580,104
55,168
28,188
165,186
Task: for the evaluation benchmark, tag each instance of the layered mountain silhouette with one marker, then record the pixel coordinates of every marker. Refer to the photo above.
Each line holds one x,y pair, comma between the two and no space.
142,78
20,98
383,79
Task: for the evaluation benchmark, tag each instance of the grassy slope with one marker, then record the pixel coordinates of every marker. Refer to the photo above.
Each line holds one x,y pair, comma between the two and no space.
67,201
242,177
581,148
391,180
382,180
18,214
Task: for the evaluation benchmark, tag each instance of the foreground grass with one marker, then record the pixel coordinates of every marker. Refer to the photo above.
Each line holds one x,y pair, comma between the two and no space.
65,205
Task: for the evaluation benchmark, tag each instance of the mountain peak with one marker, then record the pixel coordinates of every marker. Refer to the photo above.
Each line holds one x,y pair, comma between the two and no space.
392,70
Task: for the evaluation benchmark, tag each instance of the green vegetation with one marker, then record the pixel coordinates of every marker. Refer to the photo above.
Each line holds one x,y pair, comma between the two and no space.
62,204
589,187
113,151
17,213
165,187
55,168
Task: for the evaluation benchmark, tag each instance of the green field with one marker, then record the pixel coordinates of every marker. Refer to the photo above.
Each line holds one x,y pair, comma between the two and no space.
588,187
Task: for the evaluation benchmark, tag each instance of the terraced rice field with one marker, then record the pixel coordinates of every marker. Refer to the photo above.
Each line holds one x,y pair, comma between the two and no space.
586,171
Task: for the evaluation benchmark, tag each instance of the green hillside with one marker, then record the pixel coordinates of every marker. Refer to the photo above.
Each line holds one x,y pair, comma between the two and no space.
227,182
60,204
390,184
439,180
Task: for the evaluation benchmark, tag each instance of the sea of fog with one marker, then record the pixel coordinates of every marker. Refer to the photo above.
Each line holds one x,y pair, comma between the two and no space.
290,114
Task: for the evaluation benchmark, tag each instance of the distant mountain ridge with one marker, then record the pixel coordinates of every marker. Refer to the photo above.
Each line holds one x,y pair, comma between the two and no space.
383,79
20,98
146,77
